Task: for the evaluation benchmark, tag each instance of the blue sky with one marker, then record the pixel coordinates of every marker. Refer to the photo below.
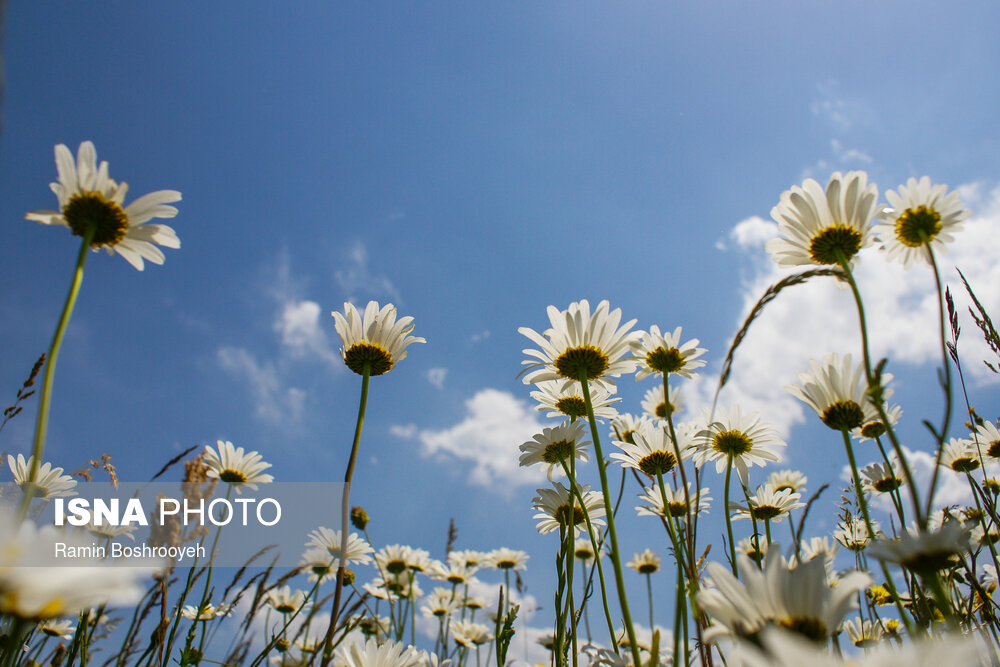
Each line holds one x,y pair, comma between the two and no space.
472,163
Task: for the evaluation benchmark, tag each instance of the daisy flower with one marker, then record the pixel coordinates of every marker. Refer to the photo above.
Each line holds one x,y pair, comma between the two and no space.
91,203
373,654
665,354
767,504
753,548
49,482
819,547
468,557
799,598
922,215
286,601
454,572
63,629
358,549
507,559
676,502
318,562
624,426
744,439
376,340
207,612
469,634
834,389
793,480
440,602
961,455
656,408
646,562
234,466
881,477
651,451
566,400
873,425
852,533
863,633
396,558
555,447
924,551
36,584
580,346
559,507
818,226
987,436
583,549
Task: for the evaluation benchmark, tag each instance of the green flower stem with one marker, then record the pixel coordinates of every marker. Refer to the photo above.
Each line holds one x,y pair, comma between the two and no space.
729,520
691,548
976,493
897,498
597,556
945,381
877,400
649,595
612,532
344,515
45,398
863,504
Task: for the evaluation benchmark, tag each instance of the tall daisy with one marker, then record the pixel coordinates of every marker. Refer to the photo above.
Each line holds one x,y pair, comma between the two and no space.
580,345
655,406
665,354
560,508
92,206
373,654
566,400
234,466
824,227
555,447
49,481
650,451
673,502
922,215
744,439
835,389
376,339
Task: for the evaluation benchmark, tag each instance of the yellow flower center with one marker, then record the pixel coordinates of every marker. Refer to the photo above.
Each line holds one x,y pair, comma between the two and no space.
665,360
965,464
664,410
917,226
810,628
843,415
887,484
572,406
657,463
376,357
569,516
732,443
833,243
647,568
585,360
231,476
677,508
90,209
557,451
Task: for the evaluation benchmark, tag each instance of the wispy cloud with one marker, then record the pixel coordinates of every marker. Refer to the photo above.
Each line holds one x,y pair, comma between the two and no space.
817,318
841,111
495,425
274,402
301,332
358,280
436,376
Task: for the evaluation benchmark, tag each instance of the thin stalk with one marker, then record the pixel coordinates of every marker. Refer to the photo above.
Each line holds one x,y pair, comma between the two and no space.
45,398
612,532
729,520
877,400
945,381
344,515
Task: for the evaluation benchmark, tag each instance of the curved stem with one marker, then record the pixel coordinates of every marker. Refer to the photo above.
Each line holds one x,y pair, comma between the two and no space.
45,398
612,532
945,381
729,520
344,514
877,399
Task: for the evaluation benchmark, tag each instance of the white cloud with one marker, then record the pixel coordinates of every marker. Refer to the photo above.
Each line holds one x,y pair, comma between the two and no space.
495,425
753,232
357,279
848,154
482,335
273,401
808,321
436,376
302,334
840,111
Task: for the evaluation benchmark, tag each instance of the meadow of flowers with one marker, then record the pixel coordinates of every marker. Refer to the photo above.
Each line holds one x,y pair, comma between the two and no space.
912,588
